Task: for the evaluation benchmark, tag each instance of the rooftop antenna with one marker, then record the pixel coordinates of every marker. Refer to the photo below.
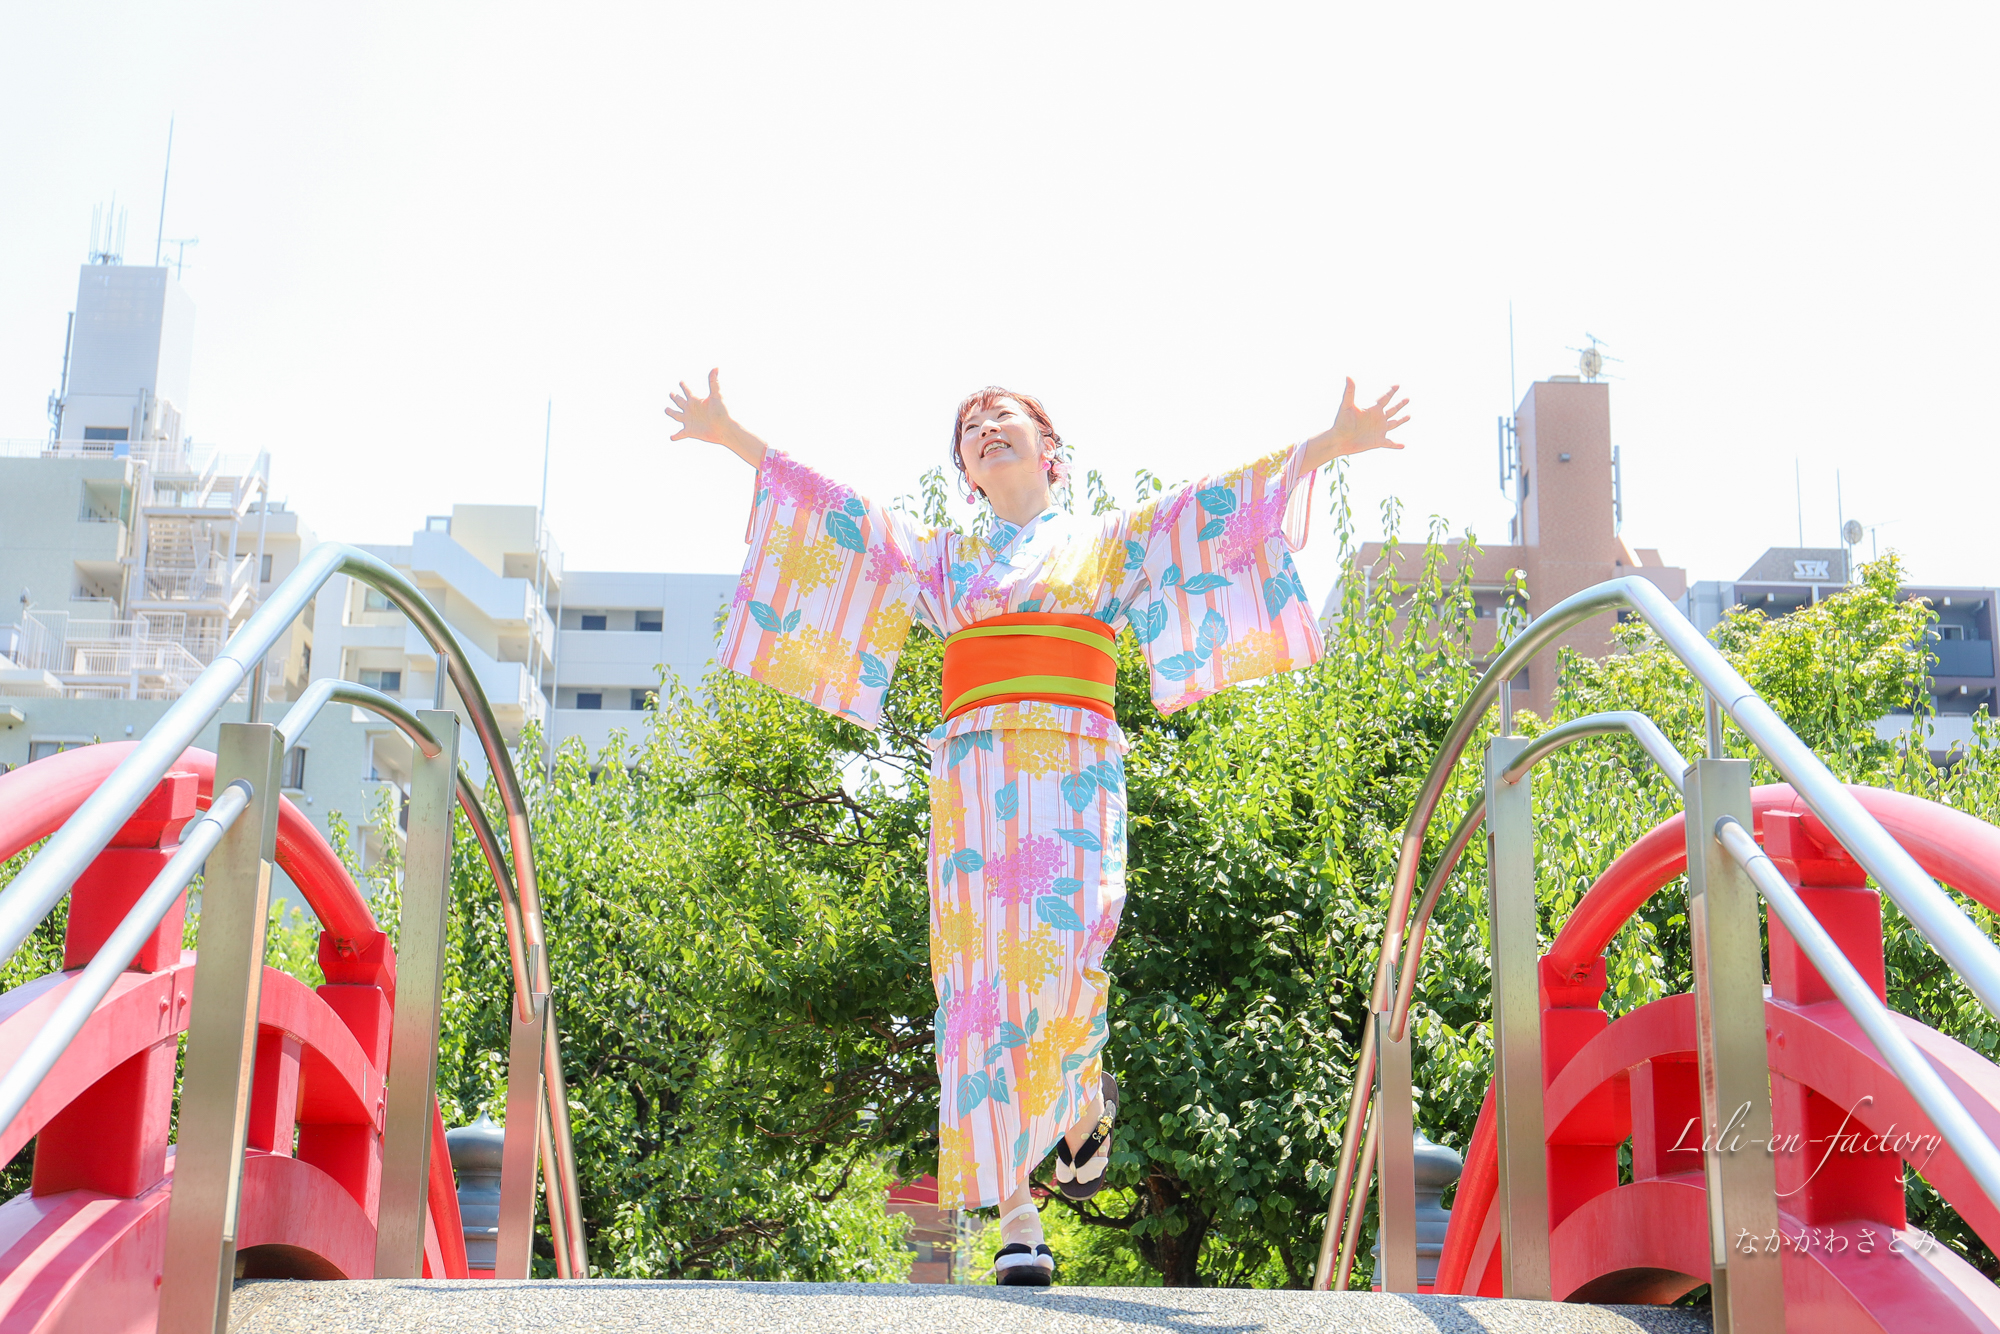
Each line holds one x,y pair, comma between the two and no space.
180,254
1590,360
166,174
107,233
1510,460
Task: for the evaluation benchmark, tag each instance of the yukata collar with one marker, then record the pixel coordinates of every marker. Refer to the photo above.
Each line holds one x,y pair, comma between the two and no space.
1006,535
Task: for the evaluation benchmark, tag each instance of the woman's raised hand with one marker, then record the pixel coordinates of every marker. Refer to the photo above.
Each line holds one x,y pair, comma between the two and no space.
707,419
1357,430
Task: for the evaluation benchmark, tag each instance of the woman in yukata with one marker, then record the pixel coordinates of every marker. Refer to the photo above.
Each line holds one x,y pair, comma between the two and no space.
1027,784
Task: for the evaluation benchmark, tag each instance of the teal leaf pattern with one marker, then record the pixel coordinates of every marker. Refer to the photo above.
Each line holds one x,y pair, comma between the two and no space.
855,507
1277,592
1021,1148
972,1090
1011,1035
998,1086
791,621
1034,1021
1135,555
1032,604
1067,885
765,615
1082,838
1146,625
1055,910
1214,633
1007,802
1170,577
1109,613
1079,790
1206,583
1211,530
874,672
1069,1062
1110,774
1179,667
1218,499
845,532
968,860
964,744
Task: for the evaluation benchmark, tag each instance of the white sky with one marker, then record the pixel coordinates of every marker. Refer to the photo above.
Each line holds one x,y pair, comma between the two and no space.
1179,225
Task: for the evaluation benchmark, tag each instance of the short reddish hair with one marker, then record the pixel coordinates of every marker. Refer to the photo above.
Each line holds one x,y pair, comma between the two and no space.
986,398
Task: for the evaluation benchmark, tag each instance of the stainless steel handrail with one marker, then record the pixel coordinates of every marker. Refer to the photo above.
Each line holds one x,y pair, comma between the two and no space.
91,986
1617,722
1946,1112
1948,931
41,885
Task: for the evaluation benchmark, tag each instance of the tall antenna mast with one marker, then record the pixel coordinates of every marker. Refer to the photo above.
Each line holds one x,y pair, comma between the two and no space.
166,174
542,576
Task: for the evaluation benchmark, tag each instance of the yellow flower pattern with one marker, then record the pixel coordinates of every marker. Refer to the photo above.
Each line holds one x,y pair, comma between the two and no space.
808,660
1037,752
808,565
1030,961
1251,655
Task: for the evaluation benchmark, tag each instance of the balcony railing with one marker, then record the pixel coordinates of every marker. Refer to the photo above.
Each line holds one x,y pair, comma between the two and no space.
1962,657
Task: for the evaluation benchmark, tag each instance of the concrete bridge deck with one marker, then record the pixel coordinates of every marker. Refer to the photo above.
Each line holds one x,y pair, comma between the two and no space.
557,1307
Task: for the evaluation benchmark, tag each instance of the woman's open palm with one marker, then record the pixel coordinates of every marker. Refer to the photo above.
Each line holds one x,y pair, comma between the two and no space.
1356,430
702,418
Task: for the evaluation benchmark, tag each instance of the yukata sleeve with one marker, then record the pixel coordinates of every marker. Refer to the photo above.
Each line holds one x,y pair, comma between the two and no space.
827,594
1209,585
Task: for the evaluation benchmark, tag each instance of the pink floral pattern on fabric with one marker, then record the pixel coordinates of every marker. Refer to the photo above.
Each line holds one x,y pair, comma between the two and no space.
1248,531
793,483
1018,876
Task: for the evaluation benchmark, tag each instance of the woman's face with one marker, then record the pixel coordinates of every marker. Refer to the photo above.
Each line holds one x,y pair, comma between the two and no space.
1000,442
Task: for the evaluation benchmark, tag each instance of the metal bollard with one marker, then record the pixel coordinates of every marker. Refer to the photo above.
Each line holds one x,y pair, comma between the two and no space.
475,1156
1436,1168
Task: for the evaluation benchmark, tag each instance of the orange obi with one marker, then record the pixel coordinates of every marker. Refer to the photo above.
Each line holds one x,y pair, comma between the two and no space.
1031,655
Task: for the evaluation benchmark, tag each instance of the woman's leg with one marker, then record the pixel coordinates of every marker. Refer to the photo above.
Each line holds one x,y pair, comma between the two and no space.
1079,1131
1019,1224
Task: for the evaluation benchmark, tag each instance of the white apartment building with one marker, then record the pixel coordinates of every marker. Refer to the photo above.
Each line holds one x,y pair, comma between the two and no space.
129,554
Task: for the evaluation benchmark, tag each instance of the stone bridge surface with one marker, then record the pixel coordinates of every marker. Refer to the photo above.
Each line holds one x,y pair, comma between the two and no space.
413,1307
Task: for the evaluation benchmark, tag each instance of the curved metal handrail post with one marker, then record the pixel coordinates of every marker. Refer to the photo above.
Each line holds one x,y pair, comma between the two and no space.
1949,931
29,897
331,690
1617,722
1534,637
94,982
1627,722
1613,723
1945,1111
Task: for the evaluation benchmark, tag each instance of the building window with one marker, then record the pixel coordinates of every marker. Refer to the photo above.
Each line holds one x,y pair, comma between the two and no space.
376,600
649,621
306,661
264,570
590,699
591,622
41,750
386,682
438,523
645,699
107,432
295,768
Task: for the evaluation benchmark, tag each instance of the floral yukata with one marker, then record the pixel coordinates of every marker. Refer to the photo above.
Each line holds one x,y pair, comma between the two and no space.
1027,844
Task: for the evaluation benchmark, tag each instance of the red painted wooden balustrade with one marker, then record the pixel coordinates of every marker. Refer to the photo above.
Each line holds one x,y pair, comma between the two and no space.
82,1249
1843,1126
